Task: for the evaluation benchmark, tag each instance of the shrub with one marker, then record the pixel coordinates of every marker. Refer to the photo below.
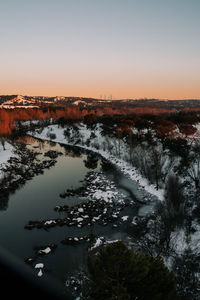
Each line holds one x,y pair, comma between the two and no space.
52,136
187,129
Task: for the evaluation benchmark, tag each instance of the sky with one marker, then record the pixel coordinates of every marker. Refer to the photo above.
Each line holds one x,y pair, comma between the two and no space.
100,48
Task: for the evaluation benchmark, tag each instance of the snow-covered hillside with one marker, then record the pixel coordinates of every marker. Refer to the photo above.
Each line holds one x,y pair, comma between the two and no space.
20,102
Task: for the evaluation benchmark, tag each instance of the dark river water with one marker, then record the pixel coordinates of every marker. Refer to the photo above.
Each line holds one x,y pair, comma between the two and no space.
37,199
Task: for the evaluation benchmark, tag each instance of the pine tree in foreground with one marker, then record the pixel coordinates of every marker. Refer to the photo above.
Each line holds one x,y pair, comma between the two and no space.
117,272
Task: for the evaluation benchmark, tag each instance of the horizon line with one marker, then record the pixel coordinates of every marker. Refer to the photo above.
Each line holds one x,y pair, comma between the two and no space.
96,98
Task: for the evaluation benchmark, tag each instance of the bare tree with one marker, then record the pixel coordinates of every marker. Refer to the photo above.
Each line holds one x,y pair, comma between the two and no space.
194,171
2,139
157,240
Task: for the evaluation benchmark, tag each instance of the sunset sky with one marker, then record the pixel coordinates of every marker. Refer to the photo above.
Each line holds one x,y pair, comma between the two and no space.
88,48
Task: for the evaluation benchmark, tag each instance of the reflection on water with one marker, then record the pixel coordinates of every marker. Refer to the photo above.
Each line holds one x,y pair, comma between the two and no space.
91,162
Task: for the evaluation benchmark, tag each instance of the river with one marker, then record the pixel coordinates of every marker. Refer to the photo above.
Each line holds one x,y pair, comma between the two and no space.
38,197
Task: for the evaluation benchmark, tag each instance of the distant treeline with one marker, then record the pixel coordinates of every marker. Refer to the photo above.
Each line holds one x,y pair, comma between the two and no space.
124,115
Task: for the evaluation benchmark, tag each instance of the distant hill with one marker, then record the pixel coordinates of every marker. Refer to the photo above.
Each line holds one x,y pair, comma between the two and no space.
12,101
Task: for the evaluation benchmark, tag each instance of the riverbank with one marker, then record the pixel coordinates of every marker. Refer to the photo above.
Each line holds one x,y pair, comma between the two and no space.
18,164
7,150
94,141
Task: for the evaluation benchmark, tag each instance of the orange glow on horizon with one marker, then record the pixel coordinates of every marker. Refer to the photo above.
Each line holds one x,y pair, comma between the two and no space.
127,91
121,83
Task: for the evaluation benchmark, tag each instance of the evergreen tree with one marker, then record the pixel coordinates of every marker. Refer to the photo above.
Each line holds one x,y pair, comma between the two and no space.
118,272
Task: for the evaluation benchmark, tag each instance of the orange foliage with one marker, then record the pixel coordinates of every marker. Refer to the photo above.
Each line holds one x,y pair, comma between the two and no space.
187,129
9,116
123,129
165,128
70,111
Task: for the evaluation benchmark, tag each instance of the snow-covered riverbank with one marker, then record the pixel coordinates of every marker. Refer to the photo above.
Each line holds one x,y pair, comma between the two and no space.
17,165
94,141
6,152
